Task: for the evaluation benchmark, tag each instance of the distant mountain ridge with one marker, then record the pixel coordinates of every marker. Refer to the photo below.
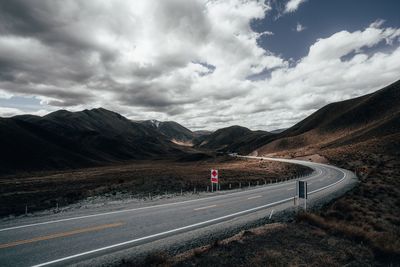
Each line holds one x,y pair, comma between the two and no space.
172,130
64,139
233,139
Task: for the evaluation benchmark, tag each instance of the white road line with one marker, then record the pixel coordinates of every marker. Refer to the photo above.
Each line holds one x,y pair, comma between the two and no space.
254,197
335,183
292,188
187,201
207,207
163,233
143,208
309,164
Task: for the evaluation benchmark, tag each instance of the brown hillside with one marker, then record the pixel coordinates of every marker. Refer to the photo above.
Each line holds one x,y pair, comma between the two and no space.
363,119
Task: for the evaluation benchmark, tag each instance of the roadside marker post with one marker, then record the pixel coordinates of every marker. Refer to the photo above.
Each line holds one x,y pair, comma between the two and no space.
296,196
270,215
303,192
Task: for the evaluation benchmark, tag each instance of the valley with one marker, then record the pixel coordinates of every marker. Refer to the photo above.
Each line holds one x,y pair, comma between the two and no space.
135,179
63,158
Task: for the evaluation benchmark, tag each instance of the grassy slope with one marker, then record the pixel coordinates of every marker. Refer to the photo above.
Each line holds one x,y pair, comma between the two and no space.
361,228
64,140
342,123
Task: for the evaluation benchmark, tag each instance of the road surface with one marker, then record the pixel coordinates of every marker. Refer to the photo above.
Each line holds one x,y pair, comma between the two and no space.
66,240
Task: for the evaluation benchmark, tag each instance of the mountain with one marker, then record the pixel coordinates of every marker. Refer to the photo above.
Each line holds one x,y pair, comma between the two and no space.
233,139
202,133
64,139
278,131
370,120
172,130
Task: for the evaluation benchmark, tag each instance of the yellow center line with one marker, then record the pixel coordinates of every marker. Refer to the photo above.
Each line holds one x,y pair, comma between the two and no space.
254,197
57,235
202,208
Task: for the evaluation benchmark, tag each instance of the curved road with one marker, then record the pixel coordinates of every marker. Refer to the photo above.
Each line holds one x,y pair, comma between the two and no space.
68,240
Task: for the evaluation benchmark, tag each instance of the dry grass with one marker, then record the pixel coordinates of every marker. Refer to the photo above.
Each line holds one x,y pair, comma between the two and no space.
156,259
385,245
279,245
44,190
370,212
362,228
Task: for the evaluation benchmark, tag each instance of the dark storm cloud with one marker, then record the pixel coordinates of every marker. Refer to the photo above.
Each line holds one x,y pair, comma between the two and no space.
36,59
73,43
19,17
155,99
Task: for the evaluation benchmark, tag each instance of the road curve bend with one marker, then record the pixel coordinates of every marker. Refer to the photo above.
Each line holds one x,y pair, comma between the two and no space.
66,239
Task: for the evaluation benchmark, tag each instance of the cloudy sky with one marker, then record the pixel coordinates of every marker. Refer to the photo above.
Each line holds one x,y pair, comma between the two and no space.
206,64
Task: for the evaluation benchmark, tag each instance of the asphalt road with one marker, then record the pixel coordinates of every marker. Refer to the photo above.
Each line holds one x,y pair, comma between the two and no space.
66,240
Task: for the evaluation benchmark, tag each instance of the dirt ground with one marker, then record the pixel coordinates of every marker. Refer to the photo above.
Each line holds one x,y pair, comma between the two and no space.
139,178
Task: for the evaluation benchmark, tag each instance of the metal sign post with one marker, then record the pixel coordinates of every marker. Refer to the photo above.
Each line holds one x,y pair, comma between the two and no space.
214,180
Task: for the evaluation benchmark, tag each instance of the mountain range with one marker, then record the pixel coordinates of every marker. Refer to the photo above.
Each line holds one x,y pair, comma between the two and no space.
64,139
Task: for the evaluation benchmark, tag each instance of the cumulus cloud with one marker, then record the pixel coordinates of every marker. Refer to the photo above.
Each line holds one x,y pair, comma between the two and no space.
344,42
196,62
293,5
299,27
324,76
152,54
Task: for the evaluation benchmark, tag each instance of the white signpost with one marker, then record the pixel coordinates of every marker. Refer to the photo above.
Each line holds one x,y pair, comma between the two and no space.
214,179
303,192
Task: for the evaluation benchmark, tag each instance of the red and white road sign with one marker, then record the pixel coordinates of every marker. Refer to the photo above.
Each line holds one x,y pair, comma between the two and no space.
214,176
